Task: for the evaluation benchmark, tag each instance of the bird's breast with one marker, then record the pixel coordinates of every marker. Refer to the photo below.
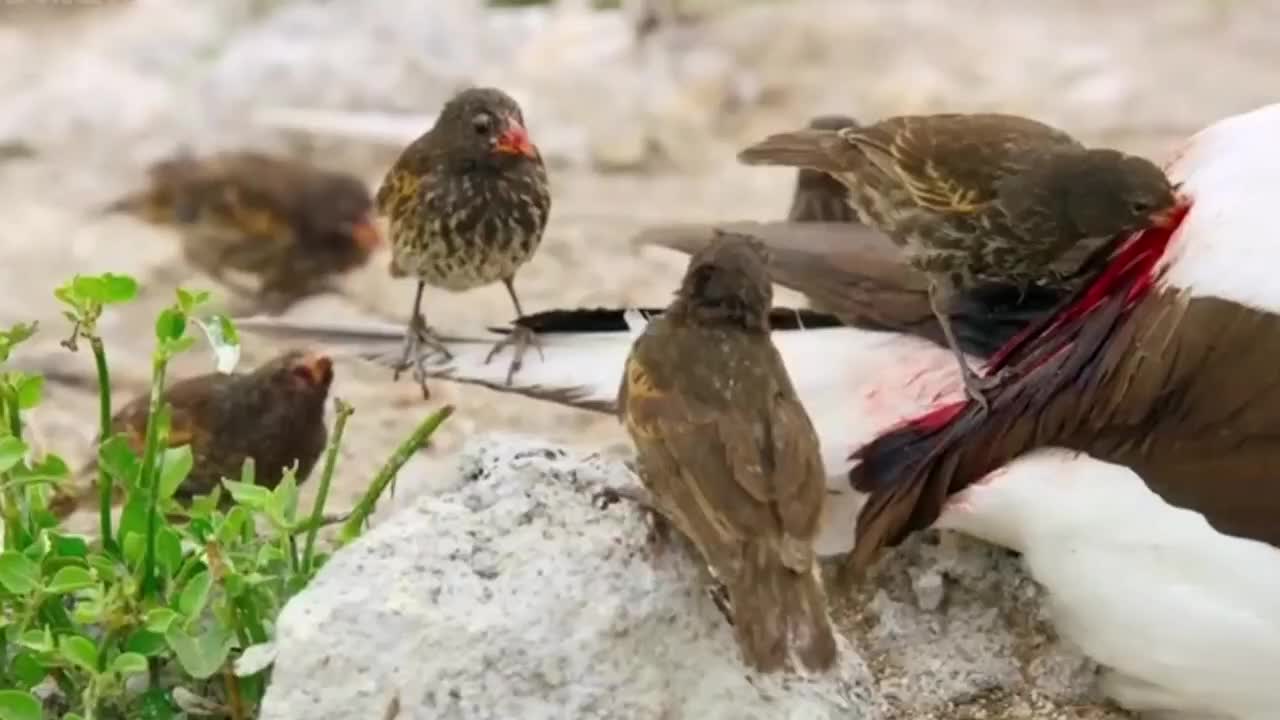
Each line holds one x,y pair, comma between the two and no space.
472,230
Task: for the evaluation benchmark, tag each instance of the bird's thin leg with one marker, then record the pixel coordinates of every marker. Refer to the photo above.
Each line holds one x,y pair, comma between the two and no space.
417,335
975,385
520,337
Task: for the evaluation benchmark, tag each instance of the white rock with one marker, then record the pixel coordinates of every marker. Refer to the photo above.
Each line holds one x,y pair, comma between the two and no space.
512,596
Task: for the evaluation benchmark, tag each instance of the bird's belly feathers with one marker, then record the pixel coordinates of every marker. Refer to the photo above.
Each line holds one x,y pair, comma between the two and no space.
457,264
471,232
1159,614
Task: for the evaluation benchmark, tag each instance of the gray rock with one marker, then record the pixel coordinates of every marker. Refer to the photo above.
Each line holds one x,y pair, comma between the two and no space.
509,594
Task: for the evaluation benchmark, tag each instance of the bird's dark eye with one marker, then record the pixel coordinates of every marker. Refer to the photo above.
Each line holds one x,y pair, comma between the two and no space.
482,124
1141,208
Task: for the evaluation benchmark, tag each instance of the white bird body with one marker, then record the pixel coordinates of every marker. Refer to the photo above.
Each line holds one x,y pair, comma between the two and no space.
1186,619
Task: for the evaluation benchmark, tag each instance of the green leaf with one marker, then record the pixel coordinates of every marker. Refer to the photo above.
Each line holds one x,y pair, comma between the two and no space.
204,655
195,594
118,288
251,496
171,325
12,450
19,705
69,546
189,300
231,528
89,287
169,550
147,642
179,346
73,716
15,336
224,340
284,499
50,469
119,460
129,664
18,574
177,465
40,641
134,546
89,611
28,670
70,579
157,705
104,565
159,619
30,388
79,651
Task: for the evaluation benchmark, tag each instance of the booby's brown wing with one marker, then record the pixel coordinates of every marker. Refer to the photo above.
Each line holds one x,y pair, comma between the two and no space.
954,162
1183,390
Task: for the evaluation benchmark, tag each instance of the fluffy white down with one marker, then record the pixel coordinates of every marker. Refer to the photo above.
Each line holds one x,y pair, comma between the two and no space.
1187,618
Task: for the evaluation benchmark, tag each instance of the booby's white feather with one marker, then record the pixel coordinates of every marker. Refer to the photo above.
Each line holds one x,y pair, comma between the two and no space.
1227,246
854,383
1187,619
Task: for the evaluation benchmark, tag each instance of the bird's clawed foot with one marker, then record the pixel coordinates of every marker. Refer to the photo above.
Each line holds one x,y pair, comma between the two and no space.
520,339
978,387
660,528
419,335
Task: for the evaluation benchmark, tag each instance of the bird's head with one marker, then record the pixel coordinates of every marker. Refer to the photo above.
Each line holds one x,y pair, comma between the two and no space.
298,373
339,206
485,124
1102,192
727,283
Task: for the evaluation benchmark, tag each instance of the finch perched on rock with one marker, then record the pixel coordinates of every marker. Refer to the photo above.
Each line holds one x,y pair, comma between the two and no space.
729,456
468,202
983,198
274,415
292,225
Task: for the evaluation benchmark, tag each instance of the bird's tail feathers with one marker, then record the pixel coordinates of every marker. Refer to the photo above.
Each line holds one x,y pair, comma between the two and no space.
780,614
814,149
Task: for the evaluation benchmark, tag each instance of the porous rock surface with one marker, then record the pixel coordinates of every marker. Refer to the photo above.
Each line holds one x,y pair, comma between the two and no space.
509,594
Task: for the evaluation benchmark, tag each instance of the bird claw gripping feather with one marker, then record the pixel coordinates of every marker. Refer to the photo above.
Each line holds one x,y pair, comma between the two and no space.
520,339
420,334
977,386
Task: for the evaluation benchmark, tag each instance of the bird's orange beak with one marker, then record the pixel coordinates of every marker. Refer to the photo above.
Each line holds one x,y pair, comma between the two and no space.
515,141
316,368
366,234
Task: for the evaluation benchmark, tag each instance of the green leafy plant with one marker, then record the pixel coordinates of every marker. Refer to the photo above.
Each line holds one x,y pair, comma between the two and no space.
146,620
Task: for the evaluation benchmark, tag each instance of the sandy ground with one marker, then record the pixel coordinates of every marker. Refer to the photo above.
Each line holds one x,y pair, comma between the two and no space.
635,135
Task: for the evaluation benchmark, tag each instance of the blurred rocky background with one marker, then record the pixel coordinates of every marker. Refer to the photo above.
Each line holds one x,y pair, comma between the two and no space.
638,106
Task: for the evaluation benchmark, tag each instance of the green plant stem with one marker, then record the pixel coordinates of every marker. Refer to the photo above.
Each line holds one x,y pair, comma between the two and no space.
150,475
344,412
10,506
104,432
363,509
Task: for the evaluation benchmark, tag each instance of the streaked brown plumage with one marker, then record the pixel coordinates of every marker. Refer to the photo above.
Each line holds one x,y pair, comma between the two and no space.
818,197
274,414
289,223
857,274
468,202
979,198
729,455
